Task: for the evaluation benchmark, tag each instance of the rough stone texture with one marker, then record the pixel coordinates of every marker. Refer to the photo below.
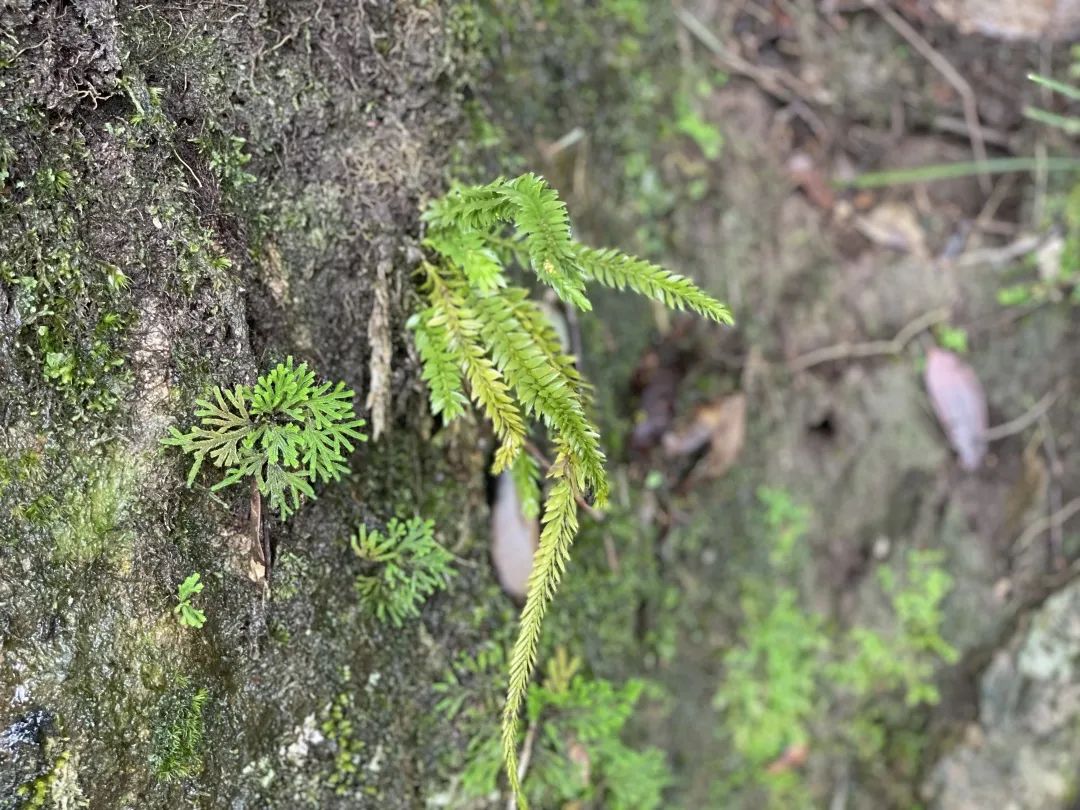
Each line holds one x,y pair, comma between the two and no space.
1022,749
189,192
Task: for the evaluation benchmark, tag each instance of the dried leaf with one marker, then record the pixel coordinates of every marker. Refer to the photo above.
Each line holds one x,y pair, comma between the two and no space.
378,399
514,538
959,403
894,225
794,756
720,424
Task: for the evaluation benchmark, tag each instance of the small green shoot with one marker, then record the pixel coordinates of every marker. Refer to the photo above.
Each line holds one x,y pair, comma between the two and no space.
953,338
188,614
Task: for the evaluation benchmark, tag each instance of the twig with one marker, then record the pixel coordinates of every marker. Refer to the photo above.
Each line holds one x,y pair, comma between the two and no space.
1055,541
952,76
1056,520
873,348
774,82
999,256
1024,420
523,760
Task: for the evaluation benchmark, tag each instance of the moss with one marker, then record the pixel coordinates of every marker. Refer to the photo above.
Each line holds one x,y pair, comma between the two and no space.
90,521
179,734
59,787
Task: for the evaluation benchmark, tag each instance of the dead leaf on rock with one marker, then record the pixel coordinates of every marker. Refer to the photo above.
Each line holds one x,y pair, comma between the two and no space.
721,426
959,403
894,225
794,757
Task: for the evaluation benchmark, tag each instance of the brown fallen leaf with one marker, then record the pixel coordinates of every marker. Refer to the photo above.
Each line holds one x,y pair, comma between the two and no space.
894,225
721,425
959,403
794,756
811,180
514,539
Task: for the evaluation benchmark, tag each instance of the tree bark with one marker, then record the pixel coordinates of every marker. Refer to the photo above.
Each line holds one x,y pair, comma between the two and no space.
190,192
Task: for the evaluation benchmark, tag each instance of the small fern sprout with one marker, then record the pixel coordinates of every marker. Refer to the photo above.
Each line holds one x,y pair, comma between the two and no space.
409,566
287,432
483,339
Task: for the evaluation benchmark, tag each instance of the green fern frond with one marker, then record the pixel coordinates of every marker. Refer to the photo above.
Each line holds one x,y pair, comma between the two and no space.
542,219
486,383
472,253
226,424
615,269
476,332
411,567
539,326
442,368
471,207
549,563
541,387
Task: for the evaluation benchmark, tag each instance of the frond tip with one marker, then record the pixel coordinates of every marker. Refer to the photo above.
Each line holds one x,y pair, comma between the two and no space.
549,563
615,269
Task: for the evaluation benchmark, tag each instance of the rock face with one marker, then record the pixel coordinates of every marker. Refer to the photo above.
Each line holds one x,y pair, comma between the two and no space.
190,192
1023,745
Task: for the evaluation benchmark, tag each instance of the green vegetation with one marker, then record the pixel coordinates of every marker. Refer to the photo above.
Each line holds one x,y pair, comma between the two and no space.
58,787
348,750
579,754
953,338
795,683
188,614
411,566
179,737
471,695
576,727
286,433
480,334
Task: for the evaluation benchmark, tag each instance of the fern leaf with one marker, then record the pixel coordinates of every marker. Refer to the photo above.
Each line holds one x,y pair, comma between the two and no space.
442,368
541,387
283,391
471,207
542,219
486,383
536,322
226,425
471,252
613,268
549,563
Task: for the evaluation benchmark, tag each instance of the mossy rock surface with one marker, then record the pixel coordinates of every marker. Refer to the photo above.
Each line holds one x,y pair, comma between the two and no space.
189,193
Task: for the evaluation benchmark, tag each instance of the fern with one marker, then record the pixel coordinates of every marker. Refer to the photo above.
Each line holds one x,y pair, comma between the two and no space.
286,433
479,334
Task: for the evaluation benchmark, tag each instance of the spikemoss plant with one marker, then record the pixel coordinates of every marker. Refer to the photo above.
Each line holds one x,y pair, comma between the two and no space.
408,566
483,338
186,613
286,433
